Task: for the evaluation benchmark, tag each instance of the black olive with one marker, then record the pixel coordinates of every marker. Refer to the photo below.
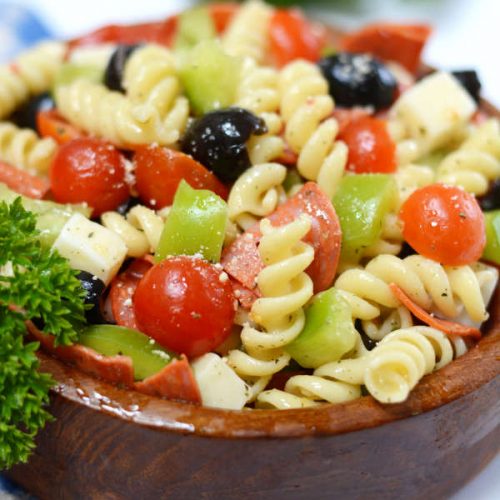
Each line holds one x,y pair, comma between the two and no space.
368,342
218,141
25,116
491,200
128,205
470,81
94,288
358,80
116,65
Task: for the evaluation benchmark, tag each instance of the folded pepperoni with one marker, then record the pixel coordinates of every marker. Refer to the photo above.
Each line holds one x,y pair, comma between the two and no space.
402,43
175,381
241,260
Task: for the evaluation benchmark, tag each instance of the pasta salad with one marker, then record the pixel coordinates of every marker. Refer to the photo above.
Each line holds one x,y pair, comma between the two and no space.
261,214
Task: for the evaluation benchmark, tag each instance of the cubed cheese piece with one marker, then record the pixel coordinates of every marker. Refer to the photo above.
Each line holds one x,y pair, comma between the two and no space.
219,385
91,247
435,109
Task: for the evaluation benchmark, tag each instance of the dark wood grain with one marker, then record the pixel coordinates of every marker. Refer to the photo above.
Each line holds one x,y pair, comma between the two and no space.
109,443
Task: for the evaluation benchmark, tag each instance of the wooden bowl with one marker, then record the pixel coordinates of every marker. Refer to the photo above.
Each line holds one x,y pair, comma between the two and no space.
110,443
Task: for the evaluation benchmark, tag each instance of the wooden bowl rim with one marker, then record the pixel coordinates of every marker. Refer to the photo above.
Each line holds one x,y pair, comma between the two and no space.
477,367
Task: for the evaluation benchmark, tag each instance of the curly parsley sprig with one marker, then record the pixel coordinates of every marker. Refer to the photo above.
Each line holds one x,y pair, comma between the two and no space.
35,283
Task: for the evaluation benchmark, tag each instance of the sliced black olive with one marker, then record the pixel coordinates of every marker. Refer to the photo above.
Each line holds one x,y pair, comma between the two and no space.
114,70
128,205
94,288
470,81
491,200
218,141
25,116
367,341
358,80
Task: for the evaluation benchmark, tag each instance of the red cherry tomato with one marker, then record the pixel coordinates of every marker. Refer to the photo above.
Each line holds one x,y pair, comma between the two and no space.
186,304
89,170
444,223
371,149
51,124
159,170
292,36
222,13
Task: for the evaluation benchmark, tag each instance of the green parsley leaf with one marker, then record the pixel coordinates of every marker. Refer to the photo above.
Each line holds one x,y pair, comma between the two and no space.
35,283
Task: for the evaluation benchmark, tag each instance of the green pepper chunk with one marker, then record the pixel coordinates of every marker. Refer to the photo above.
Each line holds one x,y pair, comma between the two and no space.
147,356
328,333
193,26
51,216
361,203
196,225
210,77
70,72
492,249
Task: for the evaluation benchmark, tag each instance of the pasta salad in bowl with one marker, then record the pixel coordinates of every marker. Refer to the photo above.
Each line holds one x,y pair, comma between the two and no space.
235,223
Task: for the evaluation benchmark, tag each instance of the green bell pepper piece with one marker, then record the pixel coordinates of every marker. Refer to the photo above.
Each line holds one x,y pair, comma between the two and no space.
193,26
492,249
148,357
51,216
210,77
328,333
361,203
196,224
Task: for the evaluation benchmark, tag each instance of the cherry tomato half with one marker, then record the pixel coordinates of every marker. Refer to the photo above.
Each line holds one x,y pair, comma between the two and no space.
51,124
371,149
186,304
89,170
292,37
159,170
444,223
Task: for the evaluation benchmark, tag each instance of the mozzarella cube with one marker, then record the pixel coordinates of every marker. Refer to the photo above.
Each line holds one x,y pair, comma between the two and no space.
219,385
435,109
91,247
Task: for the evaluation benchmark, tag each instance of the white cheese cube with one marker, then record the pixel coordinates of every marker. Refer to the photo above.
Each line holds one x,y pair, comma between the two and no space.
435,109
91,247
219,385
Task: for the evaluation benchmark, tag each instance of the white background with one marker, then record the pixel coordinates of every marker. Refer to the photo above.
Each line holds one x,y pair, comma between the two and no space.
463,38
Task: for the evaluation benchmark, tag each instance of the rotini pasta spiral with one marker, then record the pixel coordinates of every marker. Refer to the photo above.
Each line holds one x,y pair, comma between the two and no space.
411,177
247,33
140,230
390,239
442,289
258,92
306,107
32,73
22,148
256,193
153,88
110,115
285,289
394,367
476,162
